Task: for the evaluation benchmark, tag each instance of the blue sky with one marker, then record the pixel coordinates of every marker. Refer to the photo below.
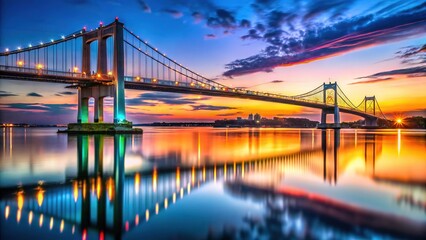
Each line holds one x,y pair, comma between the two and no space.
369,47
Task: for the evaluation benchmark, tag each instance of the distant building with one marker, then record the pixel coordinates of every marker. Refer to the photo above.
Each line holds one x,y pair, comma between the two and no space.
239,118
257,117
250,117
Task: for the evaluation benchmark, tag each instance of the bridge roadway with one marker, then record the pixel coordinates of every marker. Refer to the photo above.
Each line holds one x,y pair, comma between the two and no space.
77,79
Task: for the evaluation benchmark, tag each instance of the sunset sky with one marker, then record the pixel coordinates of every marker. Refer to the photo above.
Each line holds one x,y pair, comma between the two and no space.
287,47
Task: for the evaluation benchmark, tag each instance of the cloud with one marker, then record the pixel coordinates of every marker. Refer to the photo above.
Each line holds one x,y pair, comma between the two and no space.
174,13
413,55
34,94
372,81
318,40
144,6
388,75
228,114
7,94
209,107
38,107
222,19
209,36
59,94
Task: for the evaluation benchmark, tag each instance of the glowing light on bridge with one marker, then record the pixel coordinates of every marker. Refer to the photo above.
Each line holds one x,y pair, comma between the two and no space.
7,50
75,69
20,63
39,66
110,73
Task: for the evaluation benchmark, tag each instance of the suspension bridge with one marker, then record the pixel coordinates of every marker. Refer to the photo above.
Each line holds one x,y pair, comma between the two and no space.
125,61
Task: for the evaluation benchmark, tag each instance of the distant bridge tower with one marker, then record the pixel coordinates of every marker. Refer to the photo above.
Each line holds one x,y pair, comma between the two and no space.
330,105
370,107
99,92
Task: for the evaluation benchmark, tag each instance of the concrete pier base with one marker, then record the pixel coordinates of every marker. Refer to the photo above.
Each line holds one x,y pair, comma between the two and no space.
101,128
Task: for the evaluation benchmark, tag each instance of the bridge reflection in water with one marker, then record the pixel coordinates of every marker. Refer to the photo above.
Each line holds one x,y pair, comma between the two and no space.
108,204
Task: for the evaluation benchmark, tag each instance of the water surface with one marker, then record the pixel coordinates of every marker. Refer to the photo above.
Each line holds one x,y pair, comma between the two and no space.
206,183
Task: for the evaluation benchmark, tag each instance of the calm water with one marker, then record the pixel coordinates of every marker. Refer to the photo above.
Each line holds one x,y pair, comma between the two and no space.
205,183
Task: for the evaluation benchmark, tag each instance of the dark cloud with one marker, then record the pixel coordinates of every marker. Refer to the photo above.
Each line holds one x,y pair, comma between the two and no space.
413,55
67,93
34,94
245,23
209,36
53,108
198,17
319,41
222,19
374,80
228,114
144,6
407,72
7,94
209,107
330,7
174,13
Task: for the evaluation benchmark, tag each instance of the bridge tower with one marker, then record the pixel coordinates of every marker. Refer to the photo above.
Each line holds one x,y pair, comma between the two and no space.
99,92
330,106
370,107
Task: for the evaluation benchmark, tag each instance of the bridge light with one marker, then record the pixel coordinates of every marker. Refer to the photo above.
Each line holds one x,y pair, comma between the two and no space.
41,43
154,80
101,23
29,45
138,78
110,73
19,48
7,49
39,66
73,35
116,19
98,75
20,63
63,37
75,69
177,83
51,40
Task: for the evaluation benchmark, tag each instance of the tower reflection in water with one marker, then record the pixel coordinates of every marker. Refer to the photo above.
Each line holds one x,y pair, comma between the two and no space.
101,204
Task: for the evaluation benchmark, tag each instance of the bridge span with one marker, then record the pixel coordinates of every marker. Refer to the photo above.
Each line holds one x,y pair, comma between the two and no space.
125,61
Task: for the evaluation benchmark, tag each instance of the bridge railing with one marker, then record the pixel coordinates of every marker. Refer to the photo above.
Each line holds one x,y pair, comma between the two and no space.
47,72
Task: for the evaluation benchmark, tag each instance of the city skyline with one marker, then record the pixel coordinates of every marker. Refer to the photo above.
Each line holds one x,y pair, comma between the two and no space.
369,49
